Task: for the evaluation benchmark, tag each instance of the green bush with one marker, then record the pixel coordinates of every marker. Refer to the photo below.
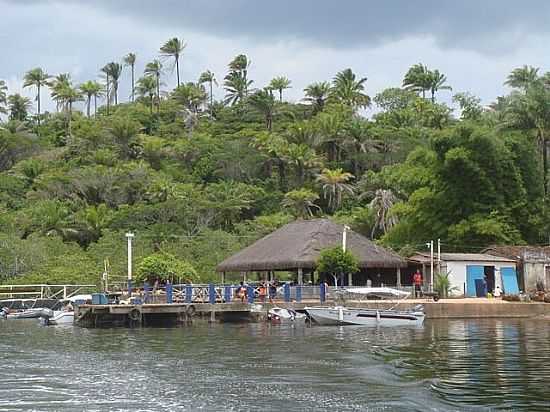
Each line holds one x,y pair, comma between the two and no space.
165,267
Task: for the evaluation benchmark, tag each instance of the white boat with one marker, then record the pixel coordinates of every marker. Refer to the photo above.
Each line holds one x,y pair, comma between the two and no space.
59,317
340,315
279,316
32,313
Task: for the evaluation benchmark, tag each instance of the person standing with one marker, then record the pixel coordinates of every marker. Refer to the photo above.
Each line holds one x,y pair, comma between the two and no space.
417,282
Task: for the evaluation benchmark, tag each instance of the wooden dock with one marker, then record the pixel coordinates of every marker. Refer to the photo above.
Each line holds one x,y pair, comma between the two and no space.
155,315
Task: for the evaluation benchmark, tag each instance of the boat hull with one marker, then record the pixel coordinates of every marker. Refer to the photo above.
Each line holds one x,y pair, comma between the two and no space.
365,317
59,318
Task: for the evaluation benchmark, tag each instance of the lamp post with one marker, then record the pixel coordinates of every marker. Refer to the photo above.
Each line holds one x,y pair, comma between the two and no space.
344,245
430,244
129,237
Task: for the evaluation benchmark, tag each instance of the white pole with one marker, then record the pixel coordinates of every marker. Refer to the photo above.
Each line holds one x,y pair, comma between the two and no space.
345,237
431,265
129,236
439,251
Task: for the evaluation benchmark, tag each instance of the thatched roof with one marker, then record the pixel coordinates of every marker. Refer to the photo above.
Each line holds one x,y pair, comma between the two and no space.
297,245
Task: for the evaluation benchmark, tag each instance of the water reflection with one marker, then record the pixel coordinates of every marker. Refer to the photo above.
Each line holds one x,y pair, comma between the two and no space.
444,365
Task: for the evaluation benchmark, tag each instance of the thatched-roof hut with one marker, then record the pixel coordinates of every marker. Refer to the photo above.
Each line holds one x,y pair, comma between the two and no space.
297,246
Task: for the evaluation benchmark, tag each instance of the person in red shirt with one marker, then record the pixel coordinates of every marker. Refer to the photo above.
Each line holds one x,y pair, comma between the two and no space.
417,282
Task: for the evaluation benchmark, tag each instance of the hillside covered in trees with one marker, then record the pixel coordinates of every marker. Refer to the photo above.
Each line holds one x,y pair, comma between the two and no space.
198,178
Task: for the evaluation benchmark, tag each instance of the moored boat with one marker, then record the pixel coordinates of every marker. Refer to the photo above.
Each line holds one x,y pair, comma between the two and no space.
59,317
340,315
279,316
28,313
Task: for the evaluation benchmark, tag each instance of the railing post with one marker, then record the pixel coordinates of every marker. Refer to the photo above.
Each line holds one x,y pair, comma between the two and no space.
169,293
65,292
286,288
188,294
298,293
250,294
211,294
322,292
227,294
146,292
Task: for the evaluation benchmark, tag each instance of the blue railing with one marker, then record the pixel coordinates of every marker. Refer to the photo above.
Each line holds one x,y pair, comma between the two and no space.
212,293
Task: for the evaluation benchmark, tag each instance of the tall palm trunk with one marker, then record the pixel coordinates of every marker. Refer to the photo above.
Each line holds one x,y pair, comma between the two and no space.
108,96
95,105
281,95
178,69
133,83
38,102
88,104
158,93
211,101
544,144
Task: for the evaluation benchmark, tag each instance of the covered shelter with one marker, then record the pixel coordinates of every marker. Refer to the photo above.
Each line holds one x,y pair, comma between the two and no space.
296,247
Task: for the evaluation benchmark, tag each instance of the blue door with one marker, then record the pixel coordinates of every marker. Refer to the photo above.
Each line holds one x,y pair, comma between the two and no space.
509,281
473,273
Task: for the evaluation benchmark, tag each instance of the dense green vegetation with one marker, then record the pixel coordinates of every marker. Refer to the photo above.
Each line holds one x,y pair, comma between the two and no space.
197,179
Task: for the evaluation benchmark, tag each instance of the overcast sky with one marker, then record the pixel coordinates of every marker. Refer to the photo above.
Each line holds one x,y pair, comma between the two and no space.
475,43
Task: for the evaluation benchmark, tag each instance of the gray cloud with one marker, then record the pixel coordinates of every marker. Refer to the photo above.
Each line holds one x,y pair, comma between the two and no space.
487,25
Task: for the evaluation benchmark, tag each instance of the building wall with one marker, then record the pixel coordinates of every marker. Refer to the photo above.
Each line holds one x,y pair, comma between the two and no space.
533,271
457,273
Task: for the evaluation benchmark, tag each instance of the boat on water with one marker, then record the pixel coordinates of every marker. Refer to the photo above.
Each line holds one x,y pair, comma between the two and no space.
59,317
65,316
341,315
32,313
278,316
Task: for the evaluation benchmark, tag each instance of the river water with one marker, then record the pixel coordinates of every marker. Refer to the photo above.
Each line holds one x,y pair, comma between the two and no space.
452,365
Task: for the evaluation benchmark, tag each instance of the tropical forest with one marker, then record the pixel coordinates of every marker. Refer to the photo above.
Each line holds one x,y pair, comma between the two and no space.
202,170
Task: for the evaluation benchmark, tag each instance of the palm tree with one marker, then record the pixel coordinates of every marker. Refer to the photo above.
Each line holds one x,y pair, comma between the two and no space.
91,89
130,60
38,78
146,87
240,64
236,86
209,77
3,96
18,107
350,90
264,102
334,184
112,71
522,77
56,85
173,48
192,96
418,79
437,82
280,83
381,205
69,95
105,70
154,69
302,157
301,203
317,95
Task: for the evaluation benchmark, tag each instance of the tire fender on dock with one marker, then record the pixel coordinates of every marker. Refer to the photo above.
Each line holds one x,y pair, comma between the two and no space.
190,311
135,314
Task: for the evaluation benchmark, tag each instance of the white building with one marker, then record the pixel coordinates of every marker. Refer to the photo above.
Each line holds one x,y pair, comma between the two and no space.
465,269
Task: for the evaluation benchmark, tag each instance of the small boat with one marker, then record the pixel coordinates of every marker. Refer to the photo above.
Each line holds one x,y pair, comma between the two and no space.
278,316
32,313
59,317
340,315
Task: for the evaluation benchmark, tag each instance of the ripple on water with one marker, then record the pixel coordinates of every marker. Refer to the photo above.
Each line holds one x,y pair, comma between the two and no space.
454,365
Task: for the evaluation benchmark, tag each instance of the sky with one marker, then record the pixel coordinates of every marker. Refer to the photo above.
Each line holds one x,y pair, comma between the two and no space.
475,43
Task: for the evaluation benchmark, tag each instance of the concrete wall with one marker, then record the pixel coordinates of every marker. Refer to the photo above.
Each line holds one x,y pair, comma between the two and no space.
533,271
457,273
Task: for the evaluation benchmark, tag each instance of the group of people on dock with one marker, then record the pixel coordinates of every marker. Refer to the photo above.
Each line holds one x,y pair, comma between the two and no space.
265,289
